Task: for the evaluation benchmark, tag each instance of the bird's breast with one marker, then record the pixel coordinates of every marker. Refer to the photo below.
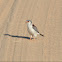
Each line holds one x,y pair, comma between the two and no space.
31,30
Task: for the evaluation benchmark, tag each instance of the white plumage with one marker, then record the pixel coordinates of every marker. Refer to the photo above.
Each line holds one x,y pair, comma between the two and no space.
32,29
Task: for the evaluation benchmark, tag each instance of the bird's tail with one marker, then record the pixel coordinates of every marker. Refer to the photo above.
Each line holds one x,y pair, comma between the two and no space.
41,34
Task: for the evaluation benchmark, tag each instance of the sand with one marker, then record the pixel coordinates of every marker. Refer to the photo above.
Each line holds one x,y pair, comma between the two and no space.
15,44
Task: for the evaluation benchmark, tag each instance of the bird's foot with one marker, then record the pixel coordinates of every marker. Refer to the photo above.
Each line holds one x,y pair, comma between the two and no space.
30,38
34,39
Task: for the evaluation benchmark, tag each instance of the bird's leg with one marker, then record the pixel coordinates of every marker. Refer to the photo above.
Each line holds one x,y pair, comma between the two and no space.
34,38
31,37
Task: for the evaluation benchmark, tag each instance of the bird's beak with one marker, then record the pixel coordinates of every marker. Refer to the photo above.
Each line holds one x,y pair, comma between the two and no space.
26,22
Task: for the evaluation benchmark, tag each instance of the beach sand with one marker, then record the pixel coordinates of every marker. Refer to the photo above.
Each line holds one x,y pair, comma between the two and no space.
15,44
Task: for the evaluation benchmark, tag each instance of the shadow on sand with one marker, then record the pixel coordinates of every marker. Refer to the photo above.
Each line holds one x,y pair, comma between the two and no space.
17,36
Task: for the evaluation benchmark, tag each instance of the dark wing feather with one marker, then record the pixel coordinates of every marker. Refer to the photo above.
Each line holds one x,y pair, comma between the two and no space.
35,28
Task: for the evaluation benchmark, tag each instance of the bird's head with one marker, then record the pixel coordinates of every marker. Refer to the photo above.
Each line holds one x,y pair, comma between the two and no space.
28,21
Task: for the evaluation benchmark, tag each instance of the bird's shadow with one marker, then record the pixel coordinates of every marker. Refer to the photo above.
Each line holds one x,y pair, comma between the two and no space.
24,37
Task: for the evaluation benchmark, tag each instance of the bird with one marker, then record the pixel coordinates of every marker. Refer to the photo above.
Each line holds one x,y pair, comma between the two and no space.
32,29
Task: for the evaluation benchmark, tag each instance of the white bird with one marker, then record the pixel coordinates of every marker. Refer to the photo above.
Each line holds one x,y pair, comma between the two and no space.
32,29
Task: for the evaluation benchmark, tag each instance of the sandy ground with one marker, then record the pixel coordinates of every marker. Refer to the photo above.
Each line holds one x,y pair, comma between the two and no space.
14,38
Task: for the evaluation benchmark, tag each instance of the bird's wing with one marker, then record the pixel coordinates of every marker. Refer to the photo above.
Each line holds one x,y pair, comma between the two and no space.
35,28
